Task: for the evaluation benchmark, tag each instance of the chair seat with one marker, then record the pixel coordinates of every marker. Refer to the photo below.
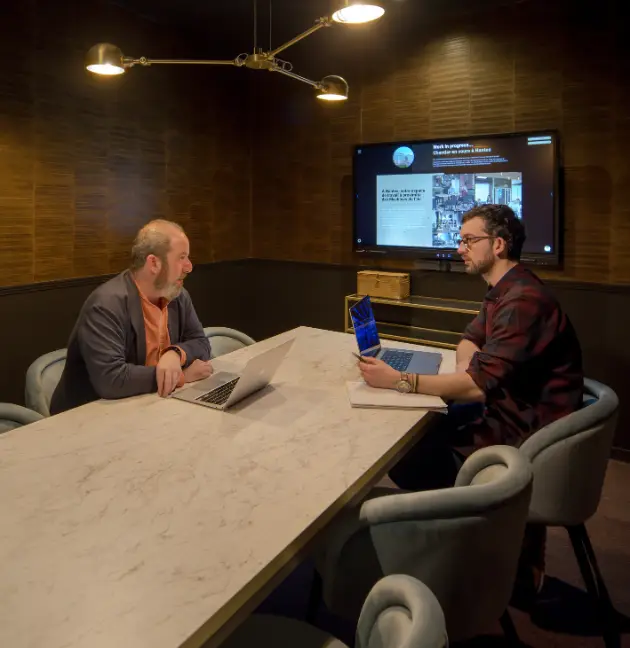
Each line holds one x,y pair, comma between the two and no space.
6,425
14,416
279,632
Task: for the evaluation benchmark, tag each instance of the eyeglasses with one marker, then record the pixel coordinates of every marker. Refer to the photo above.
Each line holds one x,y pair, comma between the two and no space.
469,240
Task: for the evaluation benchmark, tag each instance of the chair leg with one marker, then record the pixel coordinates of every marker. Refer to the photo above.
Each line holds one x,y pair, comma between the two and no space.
595,585
509,629
599,579
314,598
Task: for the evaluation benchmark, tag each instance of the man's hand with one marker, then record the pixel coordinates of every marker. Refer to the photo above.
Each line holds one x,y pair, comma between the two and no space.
167,372
378,374
198,370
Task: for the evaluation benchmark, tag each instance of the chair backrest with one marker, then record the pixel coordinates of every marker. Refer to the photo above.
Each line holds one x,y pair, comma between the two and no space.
401,612
570,457
13,416
225,340
42,378
462,542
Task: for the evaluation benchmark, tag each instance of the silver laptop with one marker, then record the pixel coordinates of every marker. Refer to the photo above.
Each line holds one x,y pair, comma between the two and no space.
222,390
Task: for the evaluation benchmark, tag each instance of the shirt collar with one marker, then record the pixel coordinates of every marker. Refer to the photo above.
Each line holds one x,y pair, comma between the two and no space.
511,277
162,303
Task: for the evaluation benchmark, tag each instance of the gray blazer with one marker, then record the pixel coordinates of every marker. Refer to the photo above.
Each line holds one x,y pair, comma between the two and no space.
107,347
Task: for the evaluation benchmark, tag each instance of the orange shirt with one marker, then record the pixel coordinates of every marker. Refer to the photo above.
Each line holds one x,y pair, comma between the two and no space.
156,331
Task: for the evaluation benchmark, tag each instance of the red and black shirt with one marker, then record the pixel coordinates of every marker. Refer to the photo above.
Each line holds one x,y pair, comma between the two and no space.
530,363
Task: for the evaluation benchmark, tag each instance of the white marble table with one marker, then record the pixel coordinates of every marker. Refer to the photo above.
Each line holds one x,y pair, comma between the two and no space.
151,523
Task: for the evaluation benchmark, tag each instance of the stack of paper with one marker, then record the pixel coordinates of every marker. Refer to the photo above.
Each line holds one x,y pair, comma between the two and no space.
362,395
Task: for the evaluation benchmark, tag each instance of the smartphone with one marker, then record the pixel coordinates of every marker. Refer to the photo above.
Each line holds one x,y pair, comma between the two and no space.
358,357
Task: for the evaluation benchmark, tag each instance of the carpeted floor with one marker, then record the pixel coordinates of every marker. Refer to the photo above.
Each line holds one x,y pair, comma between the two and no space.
563,617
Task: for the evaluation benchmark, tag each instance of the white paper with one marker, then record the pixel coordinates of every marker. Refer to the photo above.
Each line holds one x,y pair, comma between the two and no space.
362,395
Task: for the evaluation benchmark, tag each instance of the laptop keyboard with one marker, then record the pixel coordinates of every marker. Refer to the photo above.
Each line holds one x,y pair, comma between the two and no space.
399,360
218,395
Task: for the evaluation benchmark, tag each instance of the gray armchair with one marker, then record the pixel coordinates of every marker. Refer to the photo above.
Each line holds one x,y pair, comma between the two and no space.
569,458
13,416
42,378
225,340
463,542
399,612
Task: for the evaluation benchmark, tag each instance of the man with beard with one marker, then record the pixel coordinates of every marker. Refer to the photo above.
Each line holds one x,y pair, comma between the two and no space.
138,332
518,366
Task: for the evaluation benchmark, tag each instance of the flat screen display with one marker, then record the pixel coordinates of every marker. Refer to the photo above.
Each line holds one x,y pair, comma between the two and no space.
409,197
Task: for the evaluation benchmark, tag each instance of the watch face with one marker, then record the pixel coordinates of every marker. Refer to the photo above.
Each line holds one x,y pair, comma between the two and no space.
403,386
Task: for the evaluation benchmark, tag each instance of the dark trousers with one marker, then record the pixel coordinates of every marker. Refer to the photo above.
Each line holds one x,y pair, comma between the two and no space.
434,463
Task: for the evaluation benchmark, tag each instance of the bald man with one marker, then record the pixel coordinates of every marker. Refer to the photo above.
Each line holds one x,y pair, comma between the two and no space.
138,332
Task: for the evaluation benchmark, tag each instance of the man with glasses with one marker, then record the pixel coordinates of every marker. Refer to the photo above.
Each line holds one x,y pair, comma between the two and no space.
519,365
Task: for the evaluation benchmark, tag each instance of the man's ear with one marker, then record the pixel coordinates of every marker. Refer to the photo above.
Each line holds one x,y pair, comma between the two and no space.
500,246
154,263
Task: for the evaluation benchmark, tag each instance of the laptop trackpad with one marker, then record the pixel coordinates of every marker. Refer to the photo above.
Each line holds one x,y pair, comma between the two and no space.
214,381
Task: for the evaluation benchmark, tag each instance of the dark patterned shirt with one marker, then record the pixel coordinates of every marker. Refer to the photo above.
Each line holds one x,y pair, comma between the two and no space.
530,363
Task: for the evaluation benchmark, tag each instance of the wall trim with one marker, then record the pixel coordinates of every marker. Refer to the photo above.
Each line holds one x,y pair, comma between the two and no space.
567,284
94,280
54,285
570,284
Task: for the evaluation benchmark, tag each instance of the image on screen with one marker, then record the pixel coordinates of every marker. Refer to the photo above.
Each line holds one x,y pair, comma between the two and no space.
365,327
411,197
455,194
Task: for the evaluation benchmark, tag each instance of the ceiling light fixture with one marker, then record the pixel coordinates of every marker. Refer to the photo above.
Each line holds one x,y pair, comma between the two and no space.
356,12
108,60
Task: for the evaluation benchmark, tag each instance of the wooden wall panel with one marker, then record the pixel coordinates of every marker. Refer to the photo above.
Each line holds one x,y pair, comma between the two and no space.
439,70
85,161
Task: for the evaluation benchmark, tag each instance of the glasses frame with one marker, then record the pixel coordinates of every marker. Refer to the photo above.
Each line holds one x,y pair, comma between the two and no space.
471,240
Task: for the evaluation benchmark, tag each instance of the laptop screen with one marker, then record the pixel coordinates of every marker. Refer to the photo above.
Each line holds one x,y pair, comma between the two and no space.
365,327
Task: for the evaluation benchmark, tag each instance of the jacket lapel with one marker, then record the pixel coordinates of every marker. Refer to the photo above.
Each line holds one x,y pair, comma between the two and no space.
137,318
173,321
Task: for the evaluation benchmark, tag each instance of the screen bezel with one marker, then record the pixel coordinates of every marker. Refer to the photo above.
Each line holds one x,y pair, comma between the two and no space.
553,260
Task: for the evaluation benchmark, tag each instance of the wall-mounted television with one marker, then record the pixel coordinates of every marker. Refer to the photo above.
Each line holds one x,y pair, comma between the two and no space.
409,197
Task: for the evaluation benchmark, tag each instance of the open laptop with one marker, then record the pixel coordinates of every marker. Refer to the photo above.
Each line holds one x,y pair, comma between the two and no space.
418,362
222,390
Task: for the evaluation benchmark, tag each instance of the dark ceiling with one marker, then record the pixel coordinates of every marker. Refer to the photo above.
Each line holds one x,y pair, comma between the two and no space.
233,17
228,17
226,28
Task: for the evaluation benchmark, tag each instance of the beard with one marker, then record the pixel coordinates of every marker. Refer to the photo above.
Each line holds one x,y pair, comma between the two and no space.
480,267
169,290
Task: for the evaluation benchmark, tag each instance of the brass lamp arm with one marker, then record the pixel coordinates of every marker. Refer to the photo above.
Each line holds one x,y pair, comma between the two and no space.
319,23
143,60
297,77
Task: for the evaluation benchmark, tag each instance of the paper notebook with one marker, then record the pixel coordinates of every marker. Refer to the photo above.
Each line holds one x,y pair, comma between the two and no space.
362,395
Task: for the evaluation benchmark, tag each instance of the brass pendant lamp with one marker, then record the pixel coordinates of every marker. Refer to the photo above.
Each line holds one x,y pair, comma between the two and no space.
107,59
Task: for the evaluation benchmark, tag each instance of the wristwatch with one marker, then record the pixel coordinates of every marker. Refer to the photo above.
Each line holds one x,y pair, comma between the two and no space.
404,385
177,350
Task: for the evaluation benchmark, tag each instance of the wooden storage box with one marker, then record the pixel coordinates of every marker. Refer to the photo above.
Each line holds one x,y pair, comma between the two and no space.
392,285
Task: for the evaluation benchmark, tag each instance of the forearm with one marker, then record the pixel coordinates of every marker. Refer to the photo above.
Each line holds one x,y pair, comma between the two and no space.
464,353
122,380
454,386
195,349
